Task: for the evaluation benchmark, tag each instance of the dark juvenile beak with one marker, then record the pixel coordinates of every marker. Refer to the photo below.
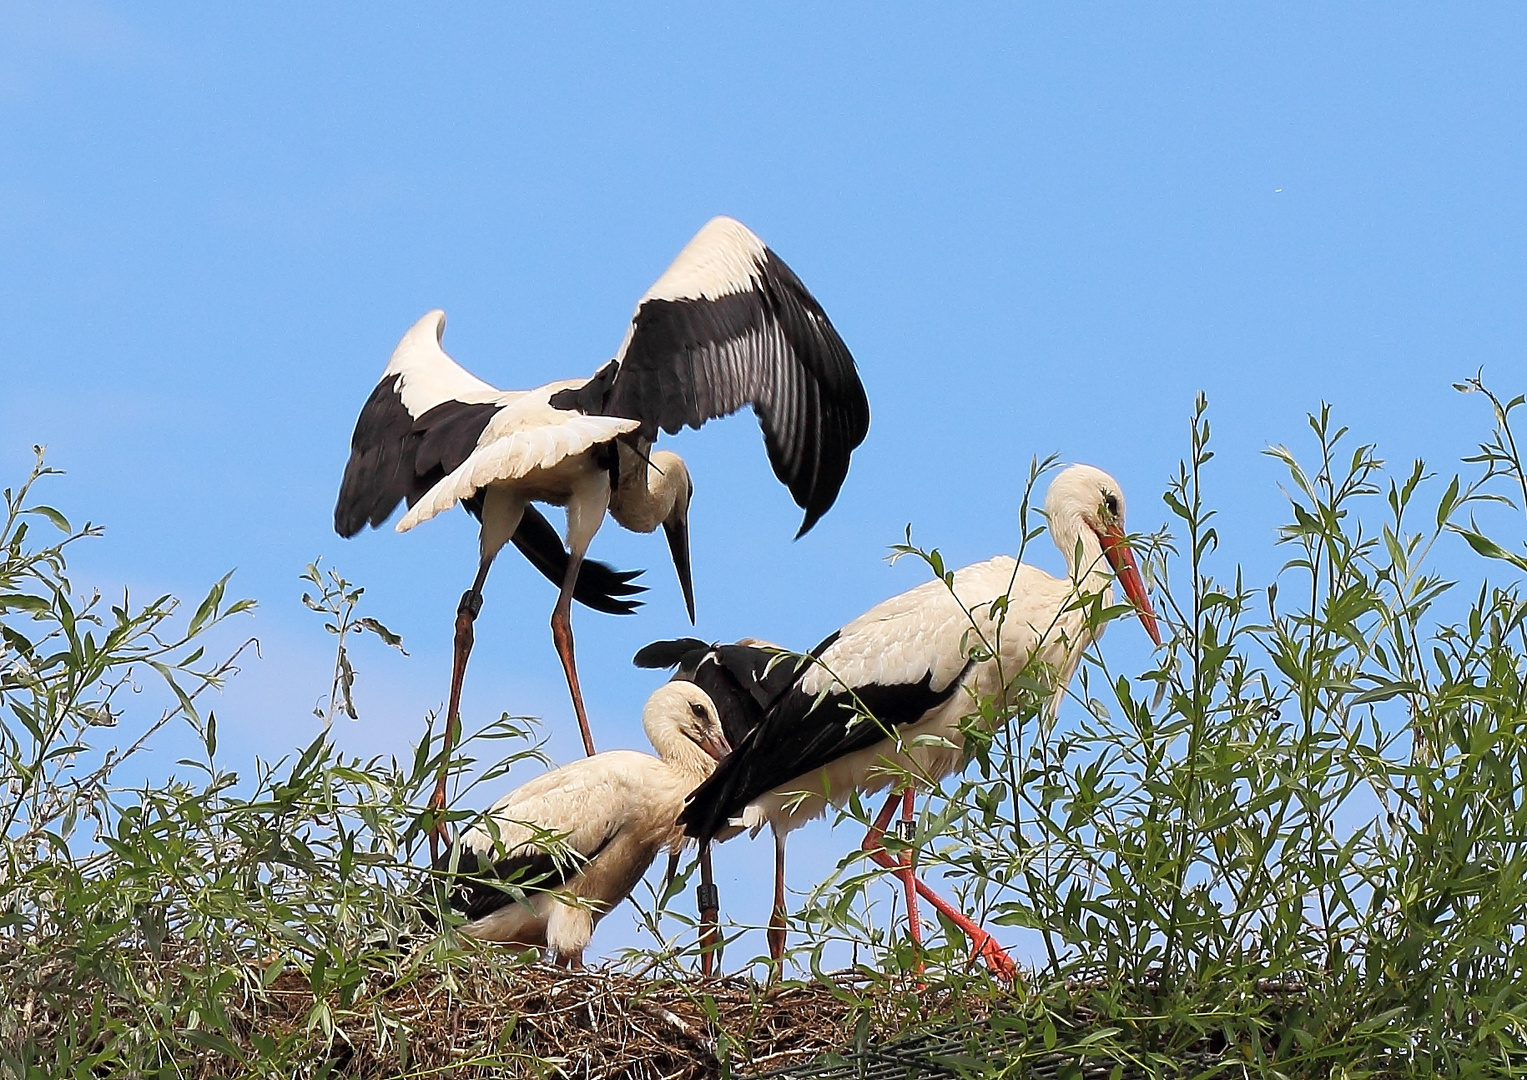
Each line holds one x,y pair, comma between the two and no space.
678,544
716,745
1122,559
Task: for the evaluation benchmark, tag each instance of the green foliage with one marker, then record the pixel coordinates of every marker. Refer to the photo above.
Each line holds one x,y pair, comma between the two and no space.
1294,845
141,925
1299,838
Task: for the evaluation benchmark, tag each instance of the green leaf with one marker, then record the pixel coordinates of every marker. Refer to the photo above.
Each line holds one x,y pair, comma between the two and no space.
1445,507
208,607
23,602
387,636
1385,691
58,520
1488,548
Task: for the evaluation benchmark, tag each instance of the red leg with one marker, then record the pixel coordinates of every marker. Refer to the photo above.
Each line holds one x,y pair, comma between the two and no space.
777,918
466,615
983,944
562,637
709,903
909,876
903,865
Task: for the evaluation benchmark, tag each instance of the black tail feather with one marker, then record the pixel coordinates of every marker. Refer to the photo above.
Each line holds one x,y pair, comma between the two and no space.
668,654
599,586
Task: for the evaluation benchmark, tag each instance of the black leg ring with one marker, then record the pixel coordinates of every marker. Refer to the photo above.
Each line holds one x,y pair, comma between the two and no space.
471,603
707,897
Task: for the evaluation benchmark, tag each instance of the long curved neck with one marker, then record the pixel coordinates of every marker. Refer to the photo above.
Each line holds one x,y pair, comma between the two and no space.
1083,552
647,491
678,752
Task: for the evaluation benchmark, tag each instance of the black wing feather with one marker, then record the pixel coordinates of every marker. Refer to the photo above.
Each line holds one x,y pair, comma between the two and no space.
668,654
743,681
380,471
599,586
395,458
800,734
480,888
770,346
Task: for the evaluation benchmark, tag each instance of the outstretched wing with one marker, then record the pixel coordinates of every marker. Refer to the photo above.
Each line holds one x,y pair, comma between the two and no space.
728,325
422,421
525,435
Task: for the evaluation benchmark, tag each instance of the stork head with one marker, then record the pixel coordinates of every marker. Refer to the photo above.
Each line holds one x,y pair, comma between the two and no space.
1083,497
674,489
682,723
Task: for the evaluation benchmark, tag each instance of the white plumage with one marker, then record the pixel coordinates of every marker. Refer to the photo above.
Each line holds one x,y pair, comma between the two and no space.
909,661
723,259
728,324
593,827
426,376
528,451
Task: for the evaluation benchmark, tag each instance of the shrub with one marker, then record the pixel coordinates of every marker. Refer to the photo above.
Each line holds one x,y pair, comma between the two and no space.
1295,845
1297,842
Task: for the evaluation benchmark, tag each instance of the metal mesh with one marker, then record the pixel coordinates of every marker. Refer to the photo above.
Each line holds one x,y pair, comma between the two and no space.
940,1056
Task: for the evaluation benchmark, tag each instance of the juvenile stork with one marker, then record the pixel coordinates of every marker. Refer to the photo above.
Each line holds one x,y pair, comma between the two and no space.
743,680
727,325
554,855
908,663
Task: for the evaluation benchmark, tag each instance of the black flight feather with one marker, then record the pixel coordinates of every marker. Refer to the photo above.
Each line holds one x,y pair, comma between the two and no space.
396,458
770,346
480,888
801,733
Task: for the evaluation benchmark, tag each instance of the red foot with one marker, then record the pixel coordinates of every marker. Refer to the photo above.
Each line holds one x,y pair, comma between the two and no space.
982,944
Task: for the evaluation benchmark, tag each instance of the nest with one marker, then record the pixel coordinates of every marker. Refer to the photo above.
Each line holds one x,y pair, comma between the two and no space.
536,1020
490,1015
472,1016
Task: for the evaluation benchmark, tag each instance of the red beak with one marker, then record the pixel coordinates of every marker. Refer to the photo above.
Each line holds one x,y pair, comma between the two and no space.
1122,559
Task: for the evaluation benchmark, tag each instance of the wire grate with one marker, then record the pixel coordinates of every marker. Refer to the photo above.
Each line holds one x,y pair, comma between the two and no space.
939,1056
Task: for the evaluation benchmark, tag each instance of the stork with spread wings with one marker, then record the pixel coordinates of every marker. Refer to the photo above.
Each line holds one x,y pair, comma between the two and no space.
727,325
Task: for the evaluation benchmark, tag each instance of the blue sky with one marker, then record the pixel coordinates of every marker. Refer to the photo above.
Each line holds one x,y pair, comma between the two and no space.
1040,228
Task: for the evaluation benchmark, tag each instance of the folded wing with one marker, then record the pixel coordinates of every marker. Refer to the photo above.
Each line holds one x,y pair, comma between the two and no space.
541,834
883,671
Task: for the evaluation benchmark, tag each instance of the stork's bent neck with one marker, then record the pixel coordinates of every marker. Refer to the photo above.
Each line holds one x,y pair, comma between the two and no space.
1083,552
661,718
650,487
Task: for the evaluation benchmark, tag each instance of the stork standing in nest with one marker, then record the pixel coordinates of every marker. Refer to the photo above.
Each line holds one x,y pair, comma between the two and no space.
727,325
880,702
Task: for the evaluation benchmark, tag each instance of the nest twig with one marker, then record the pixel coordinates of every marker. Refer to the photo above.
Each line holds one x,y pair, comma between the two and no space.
493,1016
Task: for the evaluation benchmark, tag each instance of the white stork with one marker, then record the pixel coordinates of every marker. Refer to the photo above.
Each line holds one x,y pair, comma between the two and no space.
908,662
553,856
741,680
727,325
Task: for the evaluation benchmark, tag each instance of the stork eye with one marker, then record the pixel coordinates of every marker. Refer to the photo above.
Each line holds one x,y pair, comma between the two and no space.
698,709
1111,501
